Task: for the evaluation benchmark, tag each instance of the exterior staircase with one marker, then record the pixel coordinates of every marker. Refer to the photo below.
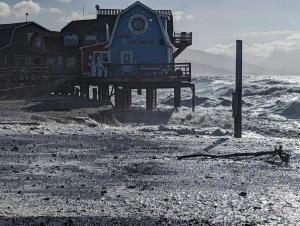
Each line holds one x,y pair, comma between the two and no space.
181,41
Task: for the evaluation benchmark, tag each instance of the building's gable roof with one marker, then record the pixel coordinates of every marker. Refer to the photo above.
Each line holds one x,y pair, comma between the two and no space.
7,32
81,26
164,33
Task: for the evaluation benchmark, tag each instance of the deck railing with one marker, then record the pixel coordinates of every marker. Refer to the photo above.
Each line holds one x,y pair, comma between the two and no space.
179,70
183,37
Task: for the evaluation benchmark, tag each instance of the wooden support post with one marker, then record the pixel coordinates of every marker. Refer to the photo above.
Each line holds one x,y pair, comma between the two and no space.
139,91
193,97
87,91
105,94
95,94
118,98
128,98
81,90
177,97
123,101
237,95
149,99
155,98
76,91
100,93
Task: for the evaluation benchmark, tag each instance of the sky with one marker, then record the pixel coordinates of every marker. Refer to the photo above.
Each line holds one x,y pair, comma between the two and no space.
265,26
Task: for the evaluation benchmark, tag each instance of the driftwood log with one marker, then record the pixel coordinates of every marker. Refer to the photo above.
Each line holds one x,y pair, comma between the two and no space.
283,155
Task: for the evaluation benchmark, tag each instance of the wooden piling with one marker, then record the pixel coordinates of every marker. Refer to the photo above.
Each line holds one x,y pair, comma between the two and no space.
237,95
105,94
150,99
155,98
87,91
193,98
177,97
100,93
77,91
118,98
95,94
81,91
128,98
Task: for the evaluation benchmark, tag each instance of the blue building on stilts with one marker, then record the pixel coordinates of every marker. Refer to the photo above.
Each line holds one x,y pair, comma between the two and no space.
137,50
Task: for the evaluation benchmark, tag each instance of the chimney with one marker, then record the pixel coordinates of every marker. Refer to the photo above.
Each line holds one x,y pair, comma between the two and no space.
97,7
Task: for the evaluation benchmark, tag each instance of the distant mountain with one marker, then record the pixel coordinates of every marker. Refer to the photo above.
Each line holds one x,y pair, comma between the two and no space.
282,61
208,63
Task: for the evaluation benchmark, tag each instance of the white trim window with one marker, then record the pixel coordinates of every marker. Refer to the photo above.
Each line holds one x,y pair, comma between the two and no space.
103,56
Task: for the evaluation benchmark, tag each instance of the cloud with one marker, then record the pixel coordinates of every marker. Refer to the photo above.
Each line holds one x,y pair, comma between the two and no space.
180,16
261,43
4,9
65,1
55,10
265,33
76,16
221,49
23,7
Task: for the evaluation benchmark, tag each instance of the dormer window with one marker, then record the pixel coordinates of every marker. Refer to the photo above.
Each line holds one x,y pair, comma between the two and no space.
71,40
91,38
38,42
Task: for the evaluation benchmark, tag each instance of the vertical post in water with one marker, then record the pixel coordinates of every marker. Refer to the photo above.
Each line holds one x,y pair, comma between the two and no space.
95,94
237,105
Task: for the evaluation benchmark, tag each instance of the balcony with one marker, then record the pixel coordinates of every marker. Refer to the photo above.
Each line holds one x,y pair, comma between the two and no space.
144,73
181,38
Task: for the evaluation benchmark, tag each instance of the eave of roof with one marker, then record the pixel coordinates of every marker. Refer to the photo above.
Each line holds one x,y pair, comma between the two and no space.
16,26
116,12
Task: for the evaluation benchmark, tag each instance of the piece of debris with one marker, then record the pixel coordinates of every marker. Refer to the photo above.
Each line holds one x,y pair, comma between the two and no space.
278,152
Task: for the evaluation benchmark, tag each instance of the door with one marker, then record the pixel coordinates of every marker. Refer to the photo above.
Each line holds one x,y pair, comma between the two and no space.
127,61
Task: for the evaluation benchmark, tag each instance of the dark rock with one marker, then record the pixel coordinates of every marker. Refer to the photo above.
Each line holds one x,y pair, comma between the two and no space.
243,194
131,187
15,148
103,190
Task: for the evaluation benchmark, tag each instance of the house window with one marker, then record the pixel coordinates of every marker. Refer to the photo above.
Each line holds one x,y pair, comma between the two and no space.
37,60
91,38
20,61
29,36
28,60
38,42
102,56
70,62
71,40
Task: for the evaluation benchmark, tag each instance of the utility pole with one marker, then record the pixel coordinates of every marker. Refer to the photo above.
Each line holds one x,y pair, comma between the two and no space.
237,95
83,9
